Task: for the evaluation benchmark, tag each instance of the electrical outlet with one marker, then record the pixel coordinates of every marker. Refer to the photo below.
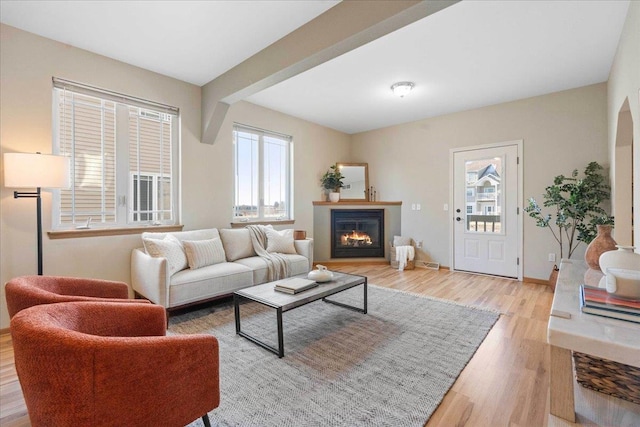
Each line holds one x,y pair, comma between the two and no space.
418,206
446,206
552,257
419,244
413,206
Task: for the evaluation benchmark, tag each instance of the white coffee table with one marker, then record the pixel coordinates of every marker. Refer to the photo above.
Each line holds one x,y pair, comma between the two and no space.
571,330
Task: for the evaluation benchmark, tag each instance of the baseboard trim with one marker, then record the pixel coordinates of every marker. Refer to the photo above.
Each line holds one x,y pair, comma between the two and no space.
535,281
5,331
330,264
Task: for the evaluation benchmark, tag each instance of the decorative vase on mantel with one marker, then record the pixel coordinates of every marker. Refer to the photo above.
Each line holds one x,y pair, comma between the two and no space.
334,196
602,243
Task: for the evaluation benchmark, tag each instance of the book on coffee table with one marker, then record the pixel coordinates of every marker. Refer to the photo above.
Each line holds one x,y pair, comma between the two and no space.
294,285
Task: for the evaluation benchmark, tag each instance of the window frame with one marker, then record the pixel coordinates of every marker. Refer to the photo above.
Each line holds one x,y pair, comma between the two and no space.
123,175
261,134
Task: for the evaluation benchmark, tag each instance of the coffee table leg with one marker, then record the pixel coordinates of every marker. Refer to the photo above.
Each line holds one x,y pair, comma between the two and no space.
365,296
280,333
351,307
236,310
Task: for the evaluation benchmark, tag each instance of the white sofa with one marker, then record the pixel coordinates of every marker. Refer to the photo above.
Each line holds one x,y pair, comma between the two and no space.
159,272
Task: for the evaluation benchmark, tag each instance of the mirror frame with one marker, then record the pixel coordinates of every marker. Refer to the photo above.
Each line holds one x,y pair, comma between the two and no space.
365,196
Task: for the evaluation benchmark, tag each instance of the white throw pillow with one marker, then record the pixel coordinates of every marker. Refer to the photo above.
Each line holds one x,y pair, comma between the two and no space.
280,241
401,241
237,243
169,248
201,253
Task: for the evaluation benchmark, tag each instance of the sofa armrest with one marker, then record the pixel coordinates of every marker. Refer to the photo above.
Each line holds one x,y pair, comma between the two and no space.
305,248
150,277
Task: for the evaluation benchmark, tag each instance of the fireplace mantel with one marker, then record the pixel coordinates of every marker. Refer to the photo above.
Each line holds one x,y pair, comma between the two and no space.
322,226
356,203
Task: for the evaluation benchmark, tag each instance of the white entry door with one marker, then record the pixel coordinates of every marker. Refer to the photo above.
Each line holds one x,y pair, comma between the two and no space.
486,210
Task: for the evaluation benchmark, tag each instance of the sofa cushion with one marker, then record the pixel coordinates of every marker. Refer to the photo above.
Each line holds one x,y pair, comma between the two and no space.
280,241
237,243
201,253
169,248
298,263
188,286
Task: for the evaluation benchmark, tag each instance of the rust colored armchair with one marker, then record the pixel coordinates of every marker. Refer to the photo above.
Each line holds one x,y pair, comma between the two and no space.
109,364
26,291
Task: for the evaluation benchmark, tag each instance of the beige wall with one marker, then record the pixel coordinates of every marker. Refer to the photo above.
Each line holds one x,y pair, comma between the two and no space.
624,87
27,63
561,131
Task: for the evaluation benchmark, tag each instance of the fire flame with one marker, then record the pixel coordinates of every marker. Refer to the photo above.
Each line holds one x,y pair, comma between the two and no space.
355,237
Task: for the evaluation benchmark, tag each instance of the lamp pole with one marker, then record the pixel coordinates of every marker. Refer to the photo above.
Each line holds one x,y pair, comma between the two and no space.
36,195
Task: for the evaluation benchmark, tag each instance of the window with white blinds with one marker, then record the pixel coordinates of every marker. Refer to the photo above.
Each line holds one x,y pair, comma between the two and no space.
123,157
263,168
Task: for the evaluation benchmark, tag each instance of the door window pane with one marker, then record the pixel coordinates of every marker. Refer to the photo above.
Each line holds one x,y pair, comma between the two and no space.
484,195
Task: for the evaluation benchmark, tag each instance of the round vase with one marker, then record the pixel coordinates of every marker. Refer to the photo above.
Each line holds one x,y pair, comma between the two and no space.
624,258
334,197
320,274
602,243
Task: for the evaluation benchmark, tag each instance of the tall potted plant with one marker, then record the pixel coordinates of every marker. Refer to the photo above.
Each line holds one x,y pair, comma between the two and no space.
332,182
576,204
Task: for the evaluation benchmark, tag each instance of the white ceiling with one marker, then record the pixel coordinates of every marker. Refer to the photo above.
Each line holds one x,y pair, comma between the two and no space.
472,54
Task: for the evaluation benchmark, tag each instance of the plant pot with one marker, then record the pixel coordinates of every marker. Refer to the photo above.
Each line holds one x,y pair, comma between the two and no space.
334,197
602,243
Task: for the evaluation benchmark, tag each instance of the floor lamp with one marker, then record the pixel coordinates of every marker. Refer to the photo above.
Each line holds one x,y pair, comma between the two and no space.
28,170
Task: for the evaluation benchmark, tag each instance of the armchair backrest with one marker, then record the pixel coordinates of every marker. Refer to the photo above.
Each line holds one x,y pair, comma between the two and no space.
106,363
26,291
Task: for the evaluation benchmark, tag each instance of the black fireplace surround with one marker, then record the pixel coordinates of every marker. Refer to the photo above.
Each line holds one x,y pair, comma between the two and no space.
357,233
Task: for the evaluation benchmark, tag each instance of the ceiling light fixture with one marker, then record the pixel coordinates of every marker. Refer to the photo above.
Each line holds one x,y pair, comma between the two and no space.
402,88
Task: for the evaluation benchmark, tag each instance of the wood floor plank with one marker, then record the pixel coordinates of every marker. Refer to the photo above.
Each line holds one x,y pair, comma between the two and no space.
506,383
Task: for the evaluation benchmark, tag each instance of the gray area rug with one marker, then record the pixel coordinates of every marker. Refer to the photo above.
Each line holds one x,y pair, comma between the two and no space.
390,367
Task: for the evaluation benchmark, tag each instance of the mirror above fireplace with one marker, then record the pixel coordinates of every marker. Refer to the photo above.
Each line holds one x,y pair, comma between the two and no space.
356,181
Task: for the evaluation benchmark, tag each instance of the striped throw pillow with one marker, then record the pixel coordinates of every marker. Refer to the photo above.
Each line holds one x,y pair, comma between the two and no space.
201,253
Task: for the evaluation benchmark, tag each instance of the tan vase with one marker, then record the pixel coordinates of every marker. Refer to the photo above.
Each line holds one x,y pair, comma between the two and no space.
602,243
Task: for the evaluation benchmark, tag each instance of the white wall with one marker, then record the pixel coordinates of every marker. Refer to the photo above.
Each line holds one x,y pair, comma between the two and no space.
27,64
561,131
623,86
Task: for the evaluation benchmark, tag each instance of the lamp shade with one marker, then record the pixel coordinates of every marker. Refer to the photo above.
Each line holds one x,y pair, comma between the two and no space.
28,170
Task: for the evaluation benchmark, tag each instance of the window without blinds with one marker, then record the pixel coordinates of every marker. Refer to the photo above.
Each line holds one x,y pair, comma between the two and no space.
263,171
123,161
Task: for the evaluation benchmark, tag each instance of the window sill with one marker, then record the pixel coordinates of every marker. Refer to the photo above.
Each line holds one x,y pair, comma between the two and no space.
95,232
274,222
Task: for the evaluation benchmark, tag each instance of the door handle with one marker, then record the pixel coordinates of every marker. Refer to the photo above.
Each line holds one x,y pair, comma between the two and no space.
458,219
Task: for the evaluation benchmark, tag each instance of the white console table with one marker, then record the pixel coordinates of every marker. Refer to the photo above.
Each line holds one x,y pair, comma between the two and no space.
571,330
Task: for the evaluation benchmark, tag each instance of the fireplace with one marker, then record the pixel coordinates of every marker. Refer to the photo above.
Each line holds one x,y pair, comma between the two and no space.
357,233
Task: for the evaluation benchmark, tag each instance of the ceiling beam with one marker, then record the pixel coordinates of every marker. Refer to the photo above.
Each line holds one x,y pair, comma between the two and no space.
346,26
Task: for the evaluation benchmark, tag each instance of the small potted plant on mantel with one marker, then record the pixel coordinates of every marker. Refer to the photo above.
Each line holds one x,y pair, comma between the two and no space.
332,182
578,211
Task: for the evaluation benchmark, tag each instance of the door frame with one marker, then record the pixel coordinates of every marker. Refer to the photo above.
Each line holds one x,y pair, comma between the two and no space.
520,188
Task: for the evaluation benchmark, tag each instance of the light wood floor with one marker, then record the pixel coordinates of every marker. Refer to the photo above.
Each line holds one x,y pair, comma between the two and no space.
506,382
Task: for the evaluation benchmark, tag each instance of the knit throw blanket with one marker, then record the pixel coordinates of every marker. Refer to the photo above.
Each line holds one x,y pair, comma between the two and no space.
278,266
